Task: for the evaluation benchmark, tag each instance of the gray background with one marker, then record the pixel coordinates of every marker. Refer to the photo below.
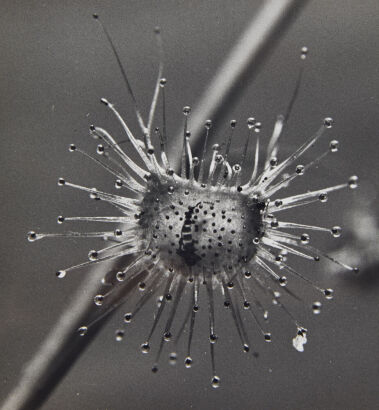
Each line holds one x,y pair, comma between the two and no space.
55,65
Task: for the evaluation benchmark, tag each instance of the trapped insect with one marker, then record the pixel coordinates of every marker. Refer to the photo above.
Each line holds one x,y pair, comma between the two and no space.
213,225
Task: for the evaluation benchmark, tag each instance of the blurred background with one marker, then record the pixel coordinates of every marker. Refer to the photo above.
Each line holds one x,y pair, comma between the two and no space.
55,66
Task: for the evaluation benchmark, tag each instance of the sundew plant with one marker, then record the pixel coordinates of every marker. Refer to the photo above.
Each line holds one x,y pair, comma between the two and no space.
213,227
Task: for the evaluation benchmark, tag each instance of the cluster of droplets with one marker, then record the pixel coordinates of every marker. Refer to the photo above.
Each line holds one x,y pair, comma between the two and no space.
212,224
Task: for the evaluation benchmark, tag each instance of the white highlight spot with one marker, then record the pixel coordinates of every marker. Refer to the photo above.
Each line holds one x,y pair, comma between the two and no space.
299,341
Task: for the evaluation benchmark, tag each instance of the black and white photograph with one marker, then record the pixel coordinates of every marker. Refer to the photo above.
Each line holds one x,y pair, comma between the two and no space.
189,204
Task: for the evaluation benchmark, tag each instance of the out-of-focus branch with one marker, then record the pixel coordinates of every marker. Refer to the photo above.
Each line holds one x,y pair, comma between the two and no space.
239,67
62,346
361,247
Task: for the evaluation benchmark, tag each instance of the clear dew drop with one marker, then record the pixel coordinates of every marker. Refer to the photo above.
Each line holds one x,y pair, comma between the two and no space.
92,255
98,299
328,122
188,362
213,338
60,274
208,124
258,127
305,238
251,122
100,149
93,194
278,203
170,189
323,197
316,308
274,222
186,110
117,232
304,52
173,358
128,317
145,347
353,182
300,170
120,276
274,162
279,259
119,335
336,231
32,236
283,281
167,336
61,181
83,330
333,146
60,219
267,337
329,293
219,158
162,82
215,382
118,183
